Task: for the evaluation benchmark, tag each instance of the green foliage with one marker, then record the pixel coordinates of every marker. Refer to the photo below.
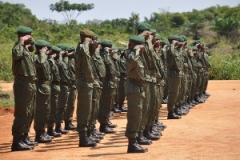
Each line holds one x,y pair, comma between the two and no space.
205,25
5,62
7,102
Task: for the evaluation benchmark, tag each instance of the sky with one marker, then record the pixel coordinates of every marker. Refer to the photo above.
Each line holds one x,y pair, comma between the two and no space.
111,9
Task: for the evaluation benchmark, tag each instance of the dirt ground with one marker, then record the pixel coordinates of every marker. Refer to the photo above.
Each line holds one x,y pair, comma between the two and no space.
210,131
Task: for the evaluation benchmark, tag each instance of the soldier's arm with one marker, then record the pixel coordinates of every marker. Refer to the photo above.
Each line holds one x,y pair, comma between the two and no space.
18,50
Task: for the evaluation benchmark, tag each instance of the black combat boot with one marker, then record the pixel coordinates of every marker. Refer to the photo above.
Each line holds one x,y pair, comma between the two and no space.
115,109
147,133
96,131
19,145
85,141
143,140
106,129
122,107
172,115
111,125
42,137
26,140
134,147
69,126
178,110
161,125
58,129
53,133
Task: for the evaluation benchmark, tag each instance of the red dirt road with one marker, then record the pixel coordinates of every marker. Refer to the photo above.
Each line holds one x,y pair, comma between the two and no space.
210,131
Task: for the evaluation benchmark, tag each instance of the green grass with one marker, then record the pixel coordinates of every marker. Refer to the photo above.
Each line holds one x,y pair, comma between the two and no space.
7,103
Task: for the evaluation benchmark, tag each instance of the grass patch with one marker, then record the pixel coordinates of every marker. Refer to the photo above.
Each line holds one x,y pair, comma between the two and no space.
6,102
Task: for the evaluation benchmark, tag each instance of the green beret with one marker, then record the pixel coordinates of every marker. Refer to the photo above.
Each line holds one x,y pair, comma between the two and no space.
70,49
137,39
49,45
184,37
24,29
194,48
62,46
106,43
163,42
153,31
197,42
173,37
158,37
56,49
120,49
41,43
180,39
86,32
143,26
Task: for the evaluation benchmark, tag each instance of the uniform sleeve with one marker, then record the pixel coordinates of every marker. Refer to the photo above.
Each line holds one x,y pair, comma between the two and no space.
18,51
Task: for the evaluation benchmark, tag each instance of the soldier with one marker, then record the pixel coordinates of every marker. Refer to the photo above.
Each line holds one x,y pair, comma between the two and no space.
43,91
68,115
109,88
135,92
84,83
24,89
99,71
62,63
175,67
165,46
55,89
123,77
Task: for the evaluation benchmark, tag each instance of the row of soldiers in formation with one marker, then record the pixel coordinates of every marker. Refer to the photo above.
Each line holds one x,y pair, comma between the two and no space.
149,72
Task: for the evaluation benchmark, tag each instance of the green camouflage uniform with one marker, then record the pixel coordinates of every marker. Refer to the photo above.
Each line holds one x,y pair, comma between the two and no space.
109,87
55,89
24,89
68,115
134,91
43,92
84,82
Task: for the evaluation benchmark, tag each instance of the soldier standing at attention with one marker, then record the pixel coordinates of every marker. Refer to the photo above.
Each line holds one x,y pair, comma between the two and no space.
109,88
24,89
135,92
68,115
123,78
175,67
84,82
55,89
43,91
64,90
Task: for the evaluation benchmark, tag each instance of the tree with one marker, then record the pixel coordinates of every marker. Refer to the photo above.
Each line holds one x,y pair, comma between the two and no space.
70,11
133,21
178,20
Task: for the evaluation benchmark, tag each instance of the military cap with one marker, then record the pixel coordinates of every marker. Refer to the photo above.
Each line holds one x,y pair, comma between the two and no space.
49,45
180,39
196,42
194,48
56,49
143,26
173,37
24,29
184,37
158,37
120,49
153,31
62,46
106,43
87,32
137,39
163,42
41,43
70,49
